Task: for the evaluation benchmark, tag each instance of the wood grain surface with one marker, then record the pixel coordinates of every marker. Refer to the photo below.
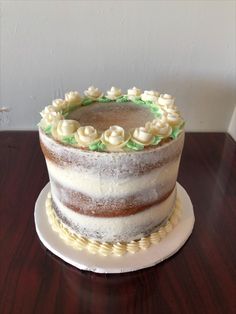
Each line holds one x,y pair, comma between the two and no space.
200,278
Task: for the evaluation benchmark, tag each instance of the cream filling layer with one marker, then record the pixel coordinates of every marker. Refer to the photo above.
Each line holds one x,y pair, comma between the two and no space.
117,229
100,186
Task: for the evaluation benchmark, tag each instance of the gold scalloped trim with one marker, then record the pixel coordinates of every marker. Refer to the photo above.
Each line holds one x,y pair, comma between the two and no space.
104,248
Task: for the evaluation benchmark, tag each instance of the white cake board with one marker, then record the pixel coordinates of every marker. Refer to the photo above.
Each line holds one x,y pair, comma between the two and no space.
113,264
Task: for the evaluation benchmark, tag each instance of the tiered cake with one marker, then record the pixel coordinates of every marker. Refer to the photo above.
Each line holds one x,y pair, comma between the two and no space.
113,162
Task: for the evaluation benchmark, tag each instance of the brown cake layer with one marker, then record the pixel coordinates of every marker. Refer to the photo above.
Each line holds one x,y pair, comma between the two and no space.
112,166
79,202
82,160
143,230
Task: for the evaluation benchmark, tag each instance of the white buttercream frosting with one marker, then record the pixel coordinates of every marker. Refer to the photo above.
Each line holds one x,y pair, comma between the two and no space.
52,118
113,93
150,95
170,109
133,92
86,135
115,137
73,98
67,127
59,104
173,118
159,127
100,187
47,110
104,248
93,92
124,228
142,136
166,100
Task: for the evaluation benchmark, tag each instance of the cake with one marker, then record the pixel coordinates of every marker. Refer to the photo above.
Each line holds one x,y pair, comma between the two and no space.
113,162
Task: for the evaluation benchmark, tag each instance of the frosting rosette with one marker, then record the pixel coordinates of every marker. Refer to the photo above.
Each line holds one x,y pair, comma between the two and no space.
166,100
115,137
159,127
93,92
65,128
86,135
171,109
47,110
142,136
133,92
51,118
156,112
59,104
150,95
173,118
73,98
113,93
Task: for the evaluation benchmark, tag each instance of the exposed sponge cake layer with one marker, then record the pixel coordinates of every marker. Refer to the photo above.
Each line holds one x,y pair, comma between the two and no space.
116,229
115,164
109,207
113,196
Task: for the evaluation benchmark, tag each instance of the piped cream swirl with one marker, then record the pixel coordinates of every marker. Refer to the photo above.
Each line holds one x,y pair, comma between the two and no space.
86,135
142,136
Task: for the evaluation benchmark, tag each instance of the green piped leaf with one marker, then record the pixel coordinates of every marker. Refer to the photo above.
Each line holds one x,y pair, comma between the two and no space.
176,132
158,115
138,101
93,146
98,146
134,146
87,101
104,99
156,111
123,98
101,147
48,130
156,140
70,139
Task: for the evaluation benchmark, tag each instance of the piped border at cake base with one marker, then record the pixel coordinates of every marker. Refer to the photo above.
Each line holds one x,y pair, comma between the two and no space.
84,260
104,248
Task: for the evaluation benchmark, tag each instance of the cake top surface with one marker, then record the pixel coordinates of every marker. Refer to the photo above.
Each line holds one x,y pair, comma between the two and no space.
112,122
102,115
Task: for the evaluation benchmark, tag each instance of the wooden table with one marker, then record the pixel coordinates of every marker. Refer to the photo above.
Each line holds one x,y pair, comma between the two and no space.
200,278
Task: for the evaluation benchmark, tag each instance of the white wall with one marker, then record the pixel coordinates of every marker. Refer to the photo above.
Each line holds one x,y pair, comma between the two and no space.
186,48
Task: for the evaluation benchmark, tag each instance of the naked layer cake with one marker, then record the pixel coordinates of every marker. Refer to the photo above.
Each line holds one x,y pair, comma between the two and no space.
113,162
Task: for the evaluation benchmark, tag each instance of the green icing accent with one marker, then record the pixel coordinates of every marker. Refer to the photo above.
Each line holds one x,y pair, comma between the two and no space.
93,146
176,132
104,99
48,130
123,98
98,146
101,147
70,139
134,146
87,101
156,112
156,140
139,101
